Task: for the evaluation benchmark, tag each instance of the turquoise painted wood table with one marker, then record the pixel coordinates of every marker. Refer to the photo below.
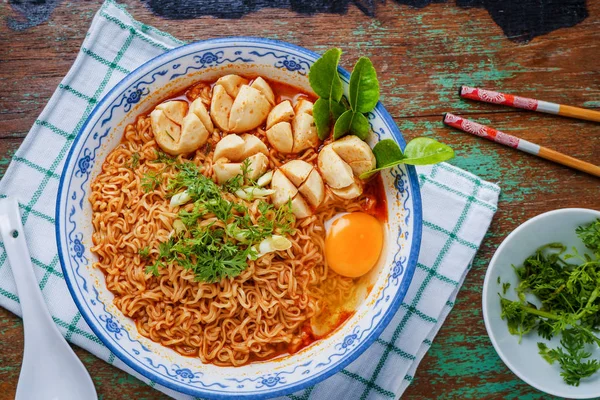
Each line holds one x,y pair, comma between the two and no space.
423,53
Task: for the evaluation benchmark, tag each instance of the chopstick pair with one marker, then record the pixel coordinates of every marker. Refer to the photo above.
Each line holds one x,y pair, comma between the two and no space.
497,136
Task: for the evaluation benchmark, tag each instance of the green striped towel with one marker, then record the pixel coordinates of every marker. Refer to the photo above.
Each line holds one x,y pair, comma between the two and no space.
458,208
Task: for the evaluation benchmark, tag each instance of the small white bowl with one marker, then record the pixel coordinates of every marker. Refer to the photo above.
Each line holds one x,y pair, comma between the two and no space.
523,359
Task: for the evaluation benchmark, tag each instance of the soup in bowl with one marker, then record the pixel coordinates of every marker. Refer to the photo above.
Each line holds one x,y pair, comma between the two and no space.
214,242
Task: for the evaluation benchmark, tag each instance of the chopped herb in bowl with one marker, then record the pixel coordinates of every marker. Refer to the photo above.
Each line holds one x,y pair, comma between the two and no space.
567,285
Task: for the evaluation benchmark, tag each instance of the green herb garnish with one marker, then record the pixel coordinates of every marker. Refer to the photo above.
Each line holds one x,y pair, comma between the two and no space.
348,116
364,95
327,84
153,179
572,357
570,298
220,249
419,151
144,252
329,108
135,160
164,158
153,268
590,236
238,181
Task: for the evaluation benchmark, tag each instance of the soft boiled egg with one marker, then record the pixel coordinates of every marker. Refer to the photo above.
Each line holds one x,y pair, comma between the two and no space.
353,243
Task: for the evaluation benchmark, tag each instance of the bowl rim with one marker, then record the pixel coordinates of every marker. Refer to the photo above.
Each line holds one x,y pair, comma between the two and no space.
315,378
485,305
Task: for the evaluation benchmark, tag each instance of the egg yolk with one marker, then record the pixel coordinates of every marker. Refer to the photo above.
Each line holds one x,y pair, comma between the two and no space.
353,244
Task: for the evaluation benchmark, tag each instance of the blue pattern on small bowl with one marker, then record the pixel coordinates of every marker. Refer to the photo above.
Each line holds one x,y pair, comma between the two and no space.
135,94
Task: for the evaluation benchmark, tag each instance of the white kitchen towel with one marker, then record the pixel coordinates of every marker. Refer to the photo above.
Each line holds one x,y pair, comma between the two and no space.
457,210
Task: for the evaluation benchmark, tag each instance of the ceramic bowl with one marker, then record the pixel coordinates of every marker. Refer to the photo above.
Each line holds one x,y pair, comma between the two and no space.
138,93
523,359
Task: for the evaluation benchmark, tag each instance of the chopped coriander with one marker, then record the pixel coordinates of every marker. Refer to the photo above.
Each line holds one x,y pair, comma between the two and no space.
144,252
246,170
151,180
220,249
164,249
570,298
164,158
519,323
572,357
505,287
590,236
135,160
187,177
153,268
236,183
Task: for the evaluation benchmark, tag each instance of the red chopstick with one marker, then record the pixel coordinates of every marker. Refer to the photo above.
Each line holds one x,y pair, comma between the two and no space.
497,136
526,103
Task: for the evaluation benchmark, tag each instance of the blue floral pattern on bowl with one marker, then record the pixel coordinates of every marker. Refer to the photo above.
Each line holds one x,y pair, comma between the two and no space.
348,340
102,132
112,325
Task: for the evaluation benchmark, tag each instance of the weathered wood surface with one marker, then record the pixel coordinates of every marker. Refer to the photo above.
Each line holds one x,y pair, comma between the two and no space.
423,56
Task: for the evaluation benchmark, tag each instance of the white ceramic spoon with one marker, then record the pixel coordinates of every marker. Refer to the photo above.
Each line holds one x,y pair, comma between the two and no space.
50,369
